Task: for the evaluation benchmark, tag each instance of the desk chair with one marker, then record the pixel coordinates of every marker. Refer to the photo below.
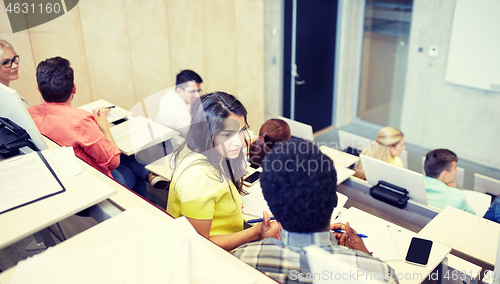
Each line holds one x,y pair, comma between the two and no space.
354,142
299,129
487,185
404,158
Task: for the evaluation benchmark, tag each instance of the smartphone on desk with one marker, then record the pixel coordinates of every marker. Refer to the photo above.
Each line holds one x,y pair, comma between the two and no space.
419,251
252,179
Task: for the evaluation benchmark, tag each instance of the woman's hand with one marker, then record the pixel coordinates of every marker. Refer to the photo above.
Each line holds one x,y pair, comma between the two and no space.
270,229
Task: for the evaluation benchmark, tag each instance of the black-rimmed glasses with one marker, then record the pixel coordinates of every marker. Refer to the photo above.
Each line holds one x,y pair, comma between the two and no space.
8,63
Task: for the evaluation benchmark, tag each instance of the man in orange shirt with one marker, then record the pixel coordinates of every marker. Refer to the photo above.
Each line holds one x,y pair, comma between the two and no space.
87,133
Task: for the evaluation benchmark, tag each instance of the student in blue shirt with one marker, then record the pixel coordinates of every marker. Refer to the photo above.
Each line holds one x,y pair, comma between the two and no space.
440,169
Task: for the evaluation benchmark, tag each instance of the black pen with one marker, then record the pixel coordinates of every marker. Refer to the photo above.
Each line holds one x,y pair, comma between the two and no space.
258,220
111,107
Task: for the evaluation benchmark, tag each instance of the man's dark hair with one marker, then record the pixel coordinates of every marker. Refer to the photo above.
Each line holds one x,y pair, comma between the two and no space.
187,76
436,161
299,184
55,79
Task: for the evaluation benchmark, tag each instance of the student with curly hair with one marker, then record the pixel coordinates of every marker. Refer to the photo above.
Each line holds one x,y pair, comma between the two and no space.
208,175
299,184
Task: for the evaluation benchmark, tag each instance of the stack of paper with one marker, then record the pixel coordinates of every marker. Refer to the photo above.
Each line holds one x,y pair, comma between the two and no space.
26,179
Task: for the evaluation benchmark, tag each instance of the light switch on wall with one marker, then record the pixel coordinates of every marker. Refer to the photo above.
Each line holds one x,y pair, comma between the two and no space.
433,51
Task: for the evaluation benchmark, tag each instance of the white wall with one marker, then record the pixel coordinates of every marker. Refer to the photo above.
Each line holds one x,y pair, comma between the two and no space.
437,114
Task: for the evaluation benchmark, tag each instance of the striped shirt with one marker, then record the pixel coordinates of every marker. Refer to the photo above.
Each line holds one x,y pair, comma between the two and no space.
285,261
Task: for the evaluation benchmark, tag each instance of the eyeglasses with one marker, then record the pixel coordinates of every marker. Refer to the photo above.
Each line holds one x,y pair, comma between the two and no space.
8,63
193,91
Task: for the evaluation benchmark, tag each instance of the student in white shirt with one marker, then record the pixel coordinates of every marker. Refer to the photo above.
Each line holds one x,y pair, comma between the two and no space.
174,110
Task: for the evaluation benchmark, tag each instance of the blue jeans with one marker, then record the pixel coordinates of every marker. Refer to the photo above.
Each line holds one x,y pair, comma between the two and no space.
493,212
131,174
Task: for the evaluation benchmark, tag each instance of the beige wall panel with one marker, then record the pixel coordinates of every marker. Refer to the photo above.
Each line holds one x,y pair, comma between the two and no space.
149,46
26,84
107,48
186,27
250,58
63,37
220,46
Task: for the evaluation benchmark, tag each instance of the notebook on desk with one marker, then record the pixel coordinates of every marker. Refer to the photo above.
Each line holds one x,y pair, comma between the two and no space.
26,179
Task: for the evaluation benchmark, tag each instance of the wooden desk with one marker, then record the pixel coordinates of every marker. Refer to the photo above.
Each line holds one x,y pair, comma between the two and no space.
402,238
125,199
139,133
82,191
466,233
138,219
135,134
114,114
340,158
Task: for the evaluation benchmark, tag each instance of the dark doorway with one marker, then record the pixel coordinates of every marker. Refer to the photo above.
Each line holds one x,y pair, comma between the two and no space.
315,54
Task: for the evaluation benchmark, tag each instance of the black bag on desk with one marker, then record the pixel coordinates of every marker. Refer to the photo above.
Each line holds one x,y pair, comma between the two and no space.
391,194
12,138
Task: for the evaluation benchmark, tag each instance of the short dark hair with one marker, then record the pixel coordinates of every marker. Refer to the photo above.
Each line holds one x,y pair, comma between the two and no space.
187,76
436,161
301,198
55,79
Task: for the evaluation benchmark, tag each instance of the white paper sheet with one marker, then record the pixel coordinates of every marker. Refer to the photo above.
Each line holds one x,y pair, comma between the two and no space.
379,240
63,161
25,178
113,114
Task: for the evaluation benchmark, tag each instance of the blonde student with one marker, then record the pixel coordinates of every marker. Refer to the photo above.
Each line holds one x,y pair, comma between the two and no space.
388,147
208,176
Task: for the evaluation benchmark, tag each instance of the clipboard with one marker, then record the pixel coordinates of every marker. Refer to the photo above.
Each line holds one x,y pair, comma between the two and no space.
31,179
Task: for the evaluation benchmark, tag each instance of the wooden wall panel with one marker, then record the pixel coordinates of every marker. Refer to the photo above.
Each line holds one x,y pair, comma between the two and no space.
107,48
220,46
250,58
149,46
63,37
26,84
185,26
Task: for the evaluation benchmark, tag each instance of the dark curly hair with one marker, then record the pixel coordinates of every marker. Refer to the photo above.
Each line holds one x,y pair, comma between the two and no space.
299,184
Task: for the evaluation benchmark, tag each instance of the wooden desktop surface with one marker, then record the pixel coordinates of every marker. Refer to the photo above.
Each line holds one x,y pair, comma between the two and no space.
82,191
467,233
137,220
341,159
114,114
402,238
126,199
131,143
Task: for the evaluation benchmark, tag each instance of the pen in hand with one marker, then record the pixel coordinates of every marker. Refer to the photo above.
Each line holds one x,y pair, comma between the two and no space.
258,220
111,107
341,231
